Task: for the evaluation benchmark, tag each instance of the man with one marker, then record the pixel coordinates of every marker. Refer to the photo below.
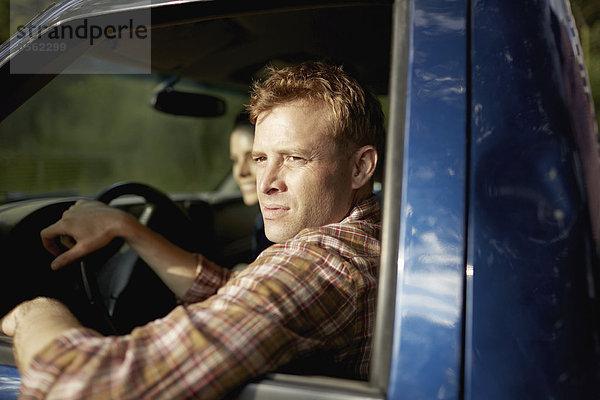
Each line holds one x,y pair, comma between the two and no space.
310,295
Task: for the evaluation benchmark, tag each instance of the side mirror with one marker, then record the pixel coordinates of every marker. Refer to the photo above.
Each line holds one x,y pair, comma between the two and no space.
171,101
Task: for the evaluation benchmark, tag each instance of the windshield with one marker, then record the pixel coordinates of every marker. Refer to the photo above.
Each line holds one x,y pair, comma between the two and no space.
82,133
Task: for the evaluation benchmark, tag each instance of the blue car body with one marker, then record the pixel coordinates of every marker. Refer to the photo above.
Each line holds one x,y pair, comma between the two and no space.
491,209
497,264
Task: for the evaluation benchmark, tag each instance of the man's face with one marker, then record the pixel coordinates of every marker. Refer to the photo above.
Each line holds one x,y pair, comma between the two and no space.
303,179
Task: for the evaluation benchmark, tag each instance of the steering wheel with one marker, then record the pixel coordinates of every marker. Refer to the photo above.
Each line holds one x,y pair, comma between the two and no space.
116,273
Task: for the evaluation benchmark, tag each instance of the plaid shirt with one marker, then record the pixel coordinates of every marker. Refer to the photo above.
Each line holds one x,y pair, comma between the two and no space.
312,295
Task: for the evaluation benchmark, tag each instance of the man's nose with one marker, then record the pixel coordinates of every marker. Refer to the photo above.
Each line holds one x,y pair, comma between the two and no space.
270,179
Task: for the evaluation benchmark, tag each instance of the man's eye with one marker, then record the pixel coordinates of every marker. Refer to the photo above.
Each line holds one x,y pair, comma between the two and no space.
259,159
294,158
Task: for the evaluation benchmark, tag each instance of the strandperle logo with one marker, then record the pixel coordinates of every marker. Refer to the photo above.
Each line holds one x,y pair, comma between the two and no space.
59,41
86,30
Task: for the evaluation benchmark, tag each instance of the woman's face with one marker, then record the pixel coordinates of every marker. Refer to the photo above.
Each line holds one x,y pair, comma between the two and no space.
240,148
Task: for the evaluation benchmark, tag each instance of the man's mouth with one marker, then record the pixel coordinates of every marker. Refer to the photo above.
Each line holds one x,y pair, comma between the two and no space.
274,211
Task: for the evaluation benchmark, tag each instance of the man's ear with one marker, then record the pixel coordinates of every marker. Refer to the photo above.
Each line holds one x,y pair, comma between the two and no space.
363,167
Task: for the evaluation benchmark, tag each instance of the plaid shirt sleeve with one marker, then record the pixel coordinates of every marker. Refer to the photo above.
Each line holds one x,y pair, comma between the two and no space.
209,278
313,293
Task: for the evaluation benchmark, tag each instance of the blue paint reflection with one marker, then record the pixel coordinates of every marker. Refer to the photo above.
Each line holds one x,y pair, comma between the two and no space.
428,336
9,382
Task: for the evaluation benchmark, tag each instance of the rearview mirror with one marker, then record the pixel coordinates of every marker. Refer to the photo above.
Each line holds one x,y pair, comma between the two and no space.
171,101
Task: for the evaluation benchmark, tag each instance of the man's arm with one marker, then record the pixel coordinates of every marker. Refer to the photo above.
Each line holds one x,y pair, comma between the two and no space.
35,324
268,315
91,225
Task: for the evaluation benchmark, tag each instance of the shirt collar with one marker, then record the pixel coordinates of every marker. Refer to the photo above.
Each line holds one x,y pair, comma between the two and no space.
367,210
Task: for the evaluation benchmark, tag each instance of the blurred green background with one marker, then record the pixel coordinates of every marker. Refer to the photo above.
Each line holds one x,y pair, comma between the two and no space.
587,17
83,133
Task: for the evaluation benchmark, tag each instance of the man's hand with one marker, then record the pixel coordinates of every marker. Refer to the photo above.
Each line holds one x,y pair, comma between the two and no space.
34,324
84,228
88,226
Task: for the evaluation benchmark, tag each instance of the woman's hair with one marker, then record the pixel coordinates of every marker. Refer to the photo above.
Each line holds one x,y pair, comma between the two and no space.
355,114
243,120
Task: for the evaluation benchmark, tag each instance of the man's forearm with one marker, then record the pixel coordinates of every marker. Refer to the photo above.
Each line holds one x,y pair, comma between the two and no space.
175,266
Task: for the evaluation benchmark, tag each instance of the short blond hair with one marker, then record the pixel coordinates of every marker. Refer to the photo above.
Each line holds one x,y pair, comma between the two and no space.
355,113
